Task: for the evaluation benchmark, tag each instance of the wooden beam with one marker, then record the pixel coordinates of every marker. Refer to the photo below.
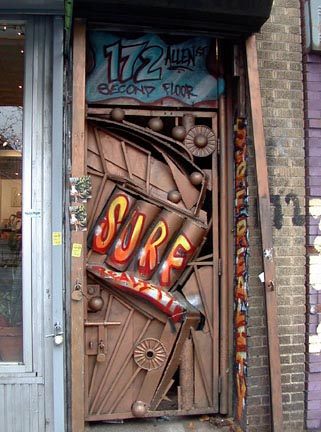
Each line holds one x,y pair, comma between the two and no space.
78,267
266,234
223,317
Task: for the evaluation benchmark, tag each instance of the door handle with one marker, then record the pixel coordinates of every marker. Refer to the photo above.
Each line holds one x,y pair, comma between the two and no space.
58,335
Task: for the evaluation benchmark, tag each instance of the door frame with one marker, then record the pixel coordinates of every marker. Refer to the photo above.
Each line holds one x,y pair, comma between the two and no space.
78,238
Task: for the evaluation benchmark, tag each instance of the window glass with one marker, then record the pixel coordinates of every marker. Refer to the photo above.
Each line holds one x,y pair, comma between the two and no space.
11,150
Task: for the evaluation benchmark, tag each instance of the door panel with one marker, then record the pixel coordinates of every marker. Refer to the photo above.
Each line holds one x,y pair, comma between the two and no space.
151,300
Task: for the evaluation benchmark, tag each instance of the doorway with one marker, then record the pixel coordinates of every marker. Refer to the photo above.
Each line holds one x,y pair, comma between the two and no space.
146,291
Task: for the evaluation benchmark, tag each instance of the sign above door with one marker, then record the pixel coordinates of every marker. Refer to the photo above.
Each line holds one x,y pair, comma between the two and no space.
152,70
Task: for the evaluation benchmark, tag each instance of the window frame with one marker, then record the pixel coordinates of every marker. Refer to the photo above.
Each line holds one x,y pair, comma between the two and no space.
32,326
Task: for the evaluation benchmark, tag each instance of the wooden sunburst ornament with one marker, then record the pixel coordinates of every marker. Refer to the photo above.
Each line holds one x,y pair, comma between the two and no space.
200,141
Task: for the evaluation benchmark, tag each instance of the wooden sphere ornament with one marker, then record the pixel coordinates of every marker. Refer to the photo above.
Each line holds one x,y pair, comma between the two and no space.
179,133
139,409
200,141
196,178
96,303
117,114
156,124
174,196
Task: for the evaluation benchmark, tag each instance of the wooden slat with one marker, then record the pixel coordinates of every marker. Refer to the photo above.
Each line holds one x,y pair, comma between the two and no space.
190,321
230,240
215,306
224,235
78,264
266,234
153,377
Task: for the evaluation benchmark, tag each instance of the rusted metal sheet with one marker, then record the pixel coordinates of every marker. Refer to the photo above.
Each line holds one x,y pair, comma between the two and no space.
266,235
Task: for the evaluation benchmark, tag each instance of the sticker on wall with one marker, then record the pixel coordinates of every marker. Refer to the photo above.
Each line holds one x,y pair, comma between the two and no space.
32,213
78,218
80,189
241,264
152,70
76,250
57,238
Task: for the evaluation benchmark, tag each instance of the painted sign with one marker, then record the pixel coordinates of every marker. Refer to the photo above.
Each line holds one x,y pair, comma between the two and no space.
132,236
146,249
149,70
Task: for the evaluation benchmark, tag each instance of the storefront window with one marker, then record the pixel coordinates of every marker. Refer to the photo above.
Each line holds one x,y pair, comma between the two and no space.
11,118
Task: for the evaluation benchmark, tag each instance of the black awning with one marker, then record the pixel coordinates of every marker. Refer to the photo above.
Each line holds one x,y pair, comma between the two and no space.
221,17
32,7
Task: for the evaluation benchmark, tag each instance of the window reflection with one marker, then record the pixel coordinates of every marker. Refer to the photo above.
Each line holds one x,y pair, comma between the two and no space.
11,116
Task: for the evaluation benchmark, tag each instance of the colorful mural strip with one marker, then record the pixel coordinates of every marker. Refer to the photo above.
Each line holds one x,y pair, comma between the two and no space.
151,70
241,264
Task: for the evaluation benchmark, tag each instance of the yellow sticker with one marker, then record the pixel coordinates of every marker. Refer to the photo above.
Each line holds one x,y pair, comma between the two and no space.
76,250
56,238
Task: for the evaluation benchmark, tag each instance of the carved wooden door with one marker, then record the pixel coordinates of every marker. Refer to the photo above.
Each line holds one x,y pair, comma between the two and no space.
151,308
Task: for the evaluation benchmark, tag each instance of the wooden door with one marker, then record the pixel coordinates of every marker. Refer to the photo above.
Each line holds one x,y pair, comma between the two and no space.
151,294
145,260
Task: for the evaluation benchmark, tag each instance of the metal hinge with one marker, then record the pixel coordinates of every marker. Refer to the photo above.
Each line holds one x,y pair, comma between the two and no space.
220,266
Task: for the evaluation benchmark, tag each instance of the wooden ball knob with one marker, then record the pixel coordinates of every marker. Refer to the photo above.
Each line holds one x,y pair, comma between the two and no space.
156,124
96,303
174,196
179,133
200,141
196,178
117,114
139,409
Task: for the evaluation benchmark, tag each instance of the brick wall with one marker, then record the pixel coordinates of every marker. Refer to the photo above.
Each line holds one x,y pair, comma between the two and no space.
280,68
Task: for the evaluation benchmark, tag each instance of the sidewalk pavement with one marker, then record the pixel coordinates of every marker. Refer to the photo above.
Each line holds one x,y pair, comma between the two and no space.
166,424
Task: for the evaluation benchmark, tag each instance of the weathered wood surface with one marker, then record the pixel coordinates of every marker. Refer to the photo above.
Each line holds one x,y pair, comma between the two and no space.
266,235
78,267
